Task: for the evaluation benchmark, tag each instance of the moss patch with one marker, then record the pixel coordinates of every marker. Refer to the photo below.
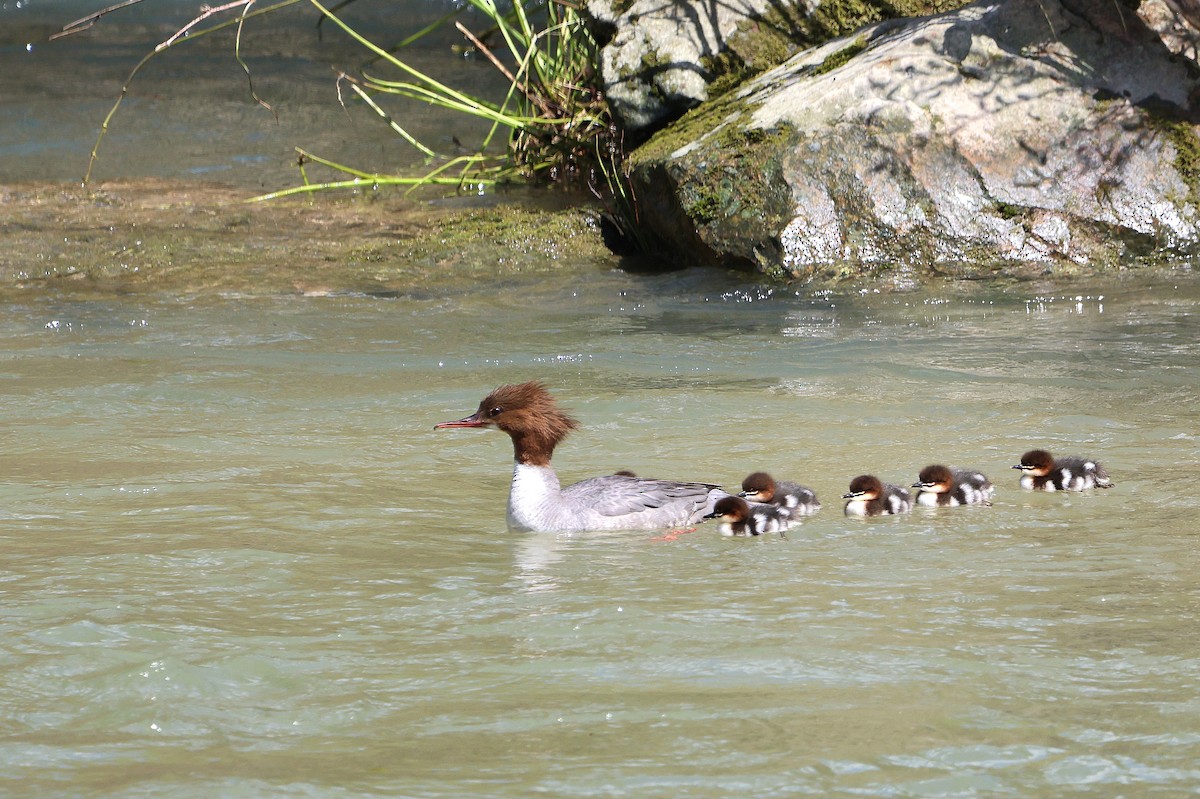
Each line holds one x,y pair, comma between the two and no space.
158,237
519,237
764,42
726,70
925,8
1009,210
840,58
1183,138
691,126
835,18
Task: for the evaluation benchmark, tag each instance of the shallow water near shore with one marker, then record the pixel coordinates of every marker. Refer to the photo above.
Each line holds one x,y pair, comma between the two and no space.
239,561
193,111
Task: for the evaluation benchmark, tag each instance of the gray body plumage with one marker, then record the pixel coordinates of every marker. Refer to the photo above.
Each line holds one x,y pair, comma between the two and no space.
798,499
613,502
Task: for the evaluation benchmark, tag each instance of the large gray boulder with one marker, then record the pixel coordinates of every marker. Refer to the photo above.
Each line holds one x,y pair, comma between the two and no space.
1010,133
660,57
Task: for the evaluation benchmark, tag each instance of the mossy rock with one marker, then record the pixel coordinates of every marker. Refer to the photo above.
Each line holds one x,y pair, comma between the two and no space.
715,204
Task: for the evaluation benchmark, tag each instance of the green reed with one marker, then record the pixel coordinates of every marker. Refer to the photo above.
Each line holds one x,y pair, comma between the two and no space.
552,125
552,118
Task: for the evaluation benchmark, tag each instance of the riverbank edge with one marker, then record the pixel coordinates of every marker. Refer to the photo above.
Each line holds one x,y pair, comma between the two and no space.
134,237
161,236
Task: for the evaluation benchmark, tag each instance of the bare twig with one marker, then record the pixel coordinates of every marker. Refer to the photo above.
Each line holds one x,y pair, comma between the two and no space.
512,79
208,12
83,23
95,154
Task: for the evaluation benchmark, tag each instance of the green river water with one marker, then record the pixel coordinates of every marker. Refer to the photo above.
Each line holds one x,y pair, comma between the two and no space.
239,562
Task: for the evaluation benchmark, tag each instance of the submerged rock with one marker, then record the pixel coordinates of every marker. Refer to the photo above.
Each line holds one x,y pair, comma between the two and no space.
1006,134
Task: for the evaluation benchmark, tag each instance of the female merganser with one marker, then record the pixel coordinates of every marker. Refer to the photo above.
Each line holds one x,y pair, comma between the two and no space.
869,496
738,517
941,485
536,503
1041,471
798,500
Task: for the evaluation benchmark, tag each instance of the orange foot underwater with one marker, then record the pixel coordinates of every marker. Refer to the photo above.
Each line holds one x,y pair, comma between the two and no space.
672,535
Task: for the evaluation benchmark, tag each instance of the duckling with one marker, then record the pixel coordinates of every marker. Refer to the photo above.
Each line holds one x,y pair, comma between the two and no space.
1041,471
870,496
739,517
941,485
798,500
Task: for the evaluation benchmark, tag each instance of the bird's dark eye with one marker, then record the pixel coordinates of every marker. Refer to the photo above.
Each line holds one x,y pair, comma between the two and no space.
496,411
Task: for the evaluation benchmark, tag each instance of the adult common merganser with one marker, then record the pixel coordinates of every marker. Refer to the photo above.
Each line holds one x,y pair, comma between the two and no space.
739,517
870,496
941,485
798,500
537,503
1041,471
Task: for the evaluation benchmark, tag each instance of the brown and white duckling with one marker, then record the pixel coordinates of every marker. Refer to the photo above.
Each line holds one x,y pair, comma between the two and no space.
1041,471
739,517
795,498
870,496
943,486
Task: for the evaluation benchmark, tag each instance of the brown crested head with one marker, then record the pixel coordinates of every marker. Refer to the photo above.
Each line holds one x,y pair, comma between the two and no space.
529,414
865,485
934,475
734,509
1037,462
526,407
761,485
